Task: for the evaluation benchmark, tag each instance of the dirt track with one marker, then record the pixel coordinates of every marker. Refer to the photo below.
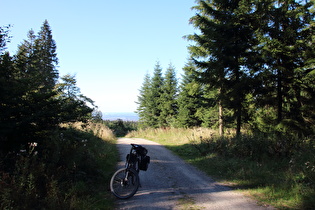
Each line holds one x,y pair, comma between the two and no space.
170,183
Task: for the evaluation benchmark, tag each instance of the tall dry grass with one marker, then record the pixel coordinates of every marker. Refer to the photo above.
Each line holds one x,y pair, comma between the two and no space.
98,129
176,136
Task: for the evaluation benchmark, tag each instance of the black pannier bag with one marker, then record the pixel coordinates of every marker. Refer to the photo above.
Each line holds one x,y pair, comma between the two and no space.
144,160
144,163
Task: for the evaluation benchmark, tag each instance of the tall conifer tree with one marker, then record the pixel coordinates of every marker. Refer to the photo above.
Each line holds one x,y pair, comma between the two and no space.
287,47
169,107
10,101
155,95
46,57
222,47
25,59
143,102
37,75
190,98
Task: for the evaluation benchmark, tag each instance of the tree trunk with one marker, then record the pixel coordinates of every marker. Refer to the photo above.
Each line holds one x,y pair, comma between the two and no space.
238,120
239,99
279,97
221,126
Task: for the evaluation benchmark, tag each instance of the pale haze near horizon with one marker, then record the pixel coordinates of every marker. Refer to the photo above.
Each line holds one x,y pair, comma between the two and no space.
108,45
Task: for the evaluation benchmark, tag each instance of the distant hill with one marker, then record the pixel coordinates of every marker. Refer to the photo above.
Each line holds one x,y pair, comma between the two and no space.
125,116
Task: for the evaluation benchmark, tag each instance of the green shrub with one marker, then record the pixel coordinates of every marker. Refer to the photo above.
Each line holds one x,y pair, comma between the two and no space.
120,127
70,171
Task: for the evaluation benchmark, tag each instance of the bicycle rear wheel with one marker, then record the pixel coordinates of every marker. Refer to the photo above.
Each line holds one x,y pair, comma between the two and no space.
124,183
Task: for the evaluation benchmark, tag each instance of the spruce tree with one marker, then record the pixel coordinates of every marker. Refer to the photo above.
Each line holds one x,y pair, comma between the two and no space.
25,61
11,91
287,48
154,103
10,102
169,107
222,48
4,38
73,106
31,105
38,106
46,57
190,98
143,102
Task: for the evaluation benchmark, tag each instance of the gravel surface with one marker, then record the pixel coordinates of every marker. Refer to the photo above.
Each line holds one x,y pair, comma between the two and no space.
170,183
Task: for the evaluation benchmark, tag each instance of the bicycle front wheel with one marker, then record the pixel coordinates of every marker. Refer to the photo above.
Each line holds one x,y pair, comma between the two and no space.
124,183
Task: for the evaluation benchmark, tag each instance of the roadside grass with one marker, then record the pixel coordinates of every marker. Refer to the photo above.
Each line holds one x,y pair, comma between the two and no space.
187,203
71,169
174,136
253,165
101,145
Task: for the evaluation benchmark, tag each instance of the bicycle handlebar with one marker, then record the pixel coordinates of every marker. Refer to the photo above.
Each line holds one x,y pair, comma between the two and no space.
138,148
136,145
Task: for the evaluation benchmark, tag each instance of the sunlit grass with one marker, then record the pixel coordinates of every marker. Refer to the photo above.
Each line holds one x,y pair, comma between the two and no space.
97,129
283,182
174,136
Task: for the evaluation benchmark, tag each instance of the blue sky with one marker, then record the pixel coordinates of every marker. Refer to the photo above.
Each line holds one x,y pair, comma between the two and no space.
109,45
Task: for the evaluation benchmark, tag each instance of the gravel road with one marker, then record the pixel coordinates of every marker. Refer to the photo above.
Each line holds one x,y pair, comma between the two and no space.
170,183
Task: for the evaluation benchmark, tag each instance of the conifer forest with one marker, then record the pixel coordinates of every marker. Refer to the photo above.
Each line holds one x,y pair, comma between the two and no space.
250,76
251,69
251,66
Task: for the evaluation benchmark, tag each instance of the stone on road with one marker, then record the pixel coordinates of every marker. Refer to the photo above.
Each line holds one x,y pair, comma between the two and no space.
170,183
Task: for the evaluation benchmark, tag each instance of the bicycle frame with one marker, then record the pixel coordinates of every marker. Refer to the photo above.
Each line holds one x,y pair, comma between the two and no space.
132,159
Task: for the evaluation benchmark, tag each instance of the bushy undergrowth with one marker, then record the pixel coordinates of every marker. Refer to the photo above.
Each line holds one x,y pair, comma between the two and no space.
121,128
278,170
253,146
70,170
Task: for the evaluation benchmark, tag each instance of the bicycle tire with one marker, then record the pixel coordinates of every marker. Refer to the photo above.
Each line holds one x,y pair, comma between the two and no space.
124,189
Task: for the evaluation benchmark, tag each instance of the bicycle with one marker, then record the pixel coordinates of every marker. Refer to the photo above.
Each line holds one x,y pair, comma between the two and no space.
125,181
